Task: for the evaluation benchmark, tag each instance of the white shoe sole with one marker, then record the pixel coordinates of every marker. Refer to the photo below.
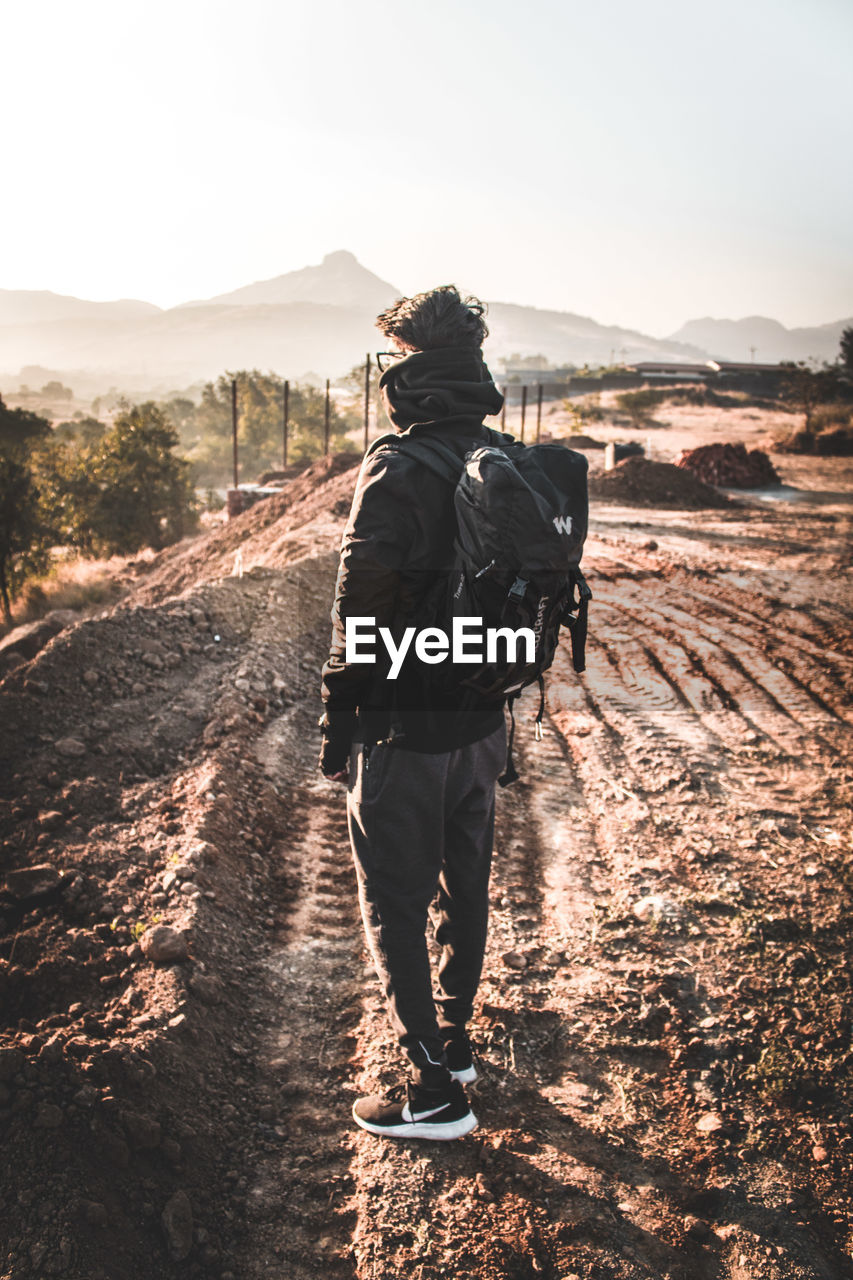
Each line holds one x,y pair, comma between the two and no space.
421,1128
467,1076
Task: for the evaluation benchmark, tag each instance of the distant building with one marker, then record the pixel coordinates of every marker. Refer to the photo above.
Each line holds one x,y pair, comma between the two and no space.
671,369
757,379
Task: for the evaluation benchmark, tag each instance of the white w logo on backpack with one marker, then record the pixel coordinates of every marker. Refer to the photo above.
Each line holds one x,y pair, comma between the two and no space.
563,524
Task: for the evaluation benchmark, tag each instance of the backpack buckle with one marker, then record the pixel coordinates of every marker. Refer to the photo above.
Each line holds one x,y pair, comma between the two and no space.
518,588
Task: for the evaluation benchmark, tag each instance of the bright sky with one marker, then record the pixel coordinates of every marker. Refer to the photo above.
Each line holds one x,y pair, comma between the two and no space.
641,163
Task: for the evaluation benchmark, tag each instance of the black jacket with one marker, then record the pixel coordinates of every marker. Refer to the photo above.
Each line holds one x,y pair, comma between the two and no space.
397,546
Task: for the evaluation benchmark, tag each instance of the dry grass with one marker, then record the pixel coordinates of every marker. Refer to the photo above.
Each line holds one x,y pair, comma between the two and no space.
71,584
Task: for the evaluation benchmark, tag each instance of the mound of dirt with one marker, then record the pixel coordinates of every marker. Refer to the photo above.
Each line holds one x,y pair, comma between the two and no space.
637,482
303,521
835,443
581,442
729,465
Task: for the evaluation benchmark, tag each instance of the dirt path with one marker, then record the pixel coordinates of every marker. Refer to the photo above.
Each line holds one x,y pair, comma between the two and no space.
665,1019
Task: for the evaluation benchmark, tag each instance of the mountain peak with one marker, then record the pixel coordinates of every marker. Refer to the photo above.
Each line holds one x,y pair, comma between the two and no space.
340,257
338,281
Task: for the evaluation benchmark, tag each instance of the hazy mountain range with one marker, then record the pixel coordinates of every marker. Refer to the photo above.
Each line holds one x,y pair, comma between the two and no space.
320,319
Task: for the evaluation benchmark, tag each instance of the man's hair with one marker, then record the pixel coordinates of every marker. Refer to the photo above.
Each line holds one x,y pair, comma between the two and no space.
439,318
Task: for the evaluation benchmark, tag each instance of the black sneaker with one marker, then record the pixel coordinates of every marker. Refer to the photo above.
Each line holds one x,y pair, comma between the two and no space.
413,1112
460,1057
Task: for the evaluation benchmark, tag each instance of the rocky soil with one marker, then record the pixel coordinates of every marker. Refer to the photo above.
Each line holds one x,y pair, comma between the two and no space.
665,1020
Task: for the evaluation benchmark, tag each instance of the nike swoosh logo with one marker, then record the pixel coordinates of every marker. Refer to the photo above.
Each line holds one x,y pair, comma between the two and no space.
424,1115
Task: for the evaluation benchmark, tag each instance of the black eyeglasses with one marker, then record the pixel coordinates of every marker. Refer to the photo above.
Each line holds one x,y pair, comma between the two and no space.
384,359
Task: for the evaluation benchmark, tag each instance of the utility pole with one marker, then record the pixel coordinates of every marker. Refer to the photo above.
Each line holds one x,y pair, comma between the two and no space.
523,409
285,422
504,391
538,409
234,427
366,399
327,421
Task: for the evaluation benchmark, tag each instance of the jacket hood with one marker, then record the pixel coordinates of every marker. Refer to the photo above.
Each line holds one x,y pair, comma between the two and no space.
448,386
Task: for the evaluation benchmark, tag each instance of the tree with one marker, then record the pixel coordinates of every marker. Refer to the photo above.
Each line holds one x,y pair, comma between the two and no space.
25,536
131,491
21,430
259,427
805,388
845,352
24,540
56,391
83,431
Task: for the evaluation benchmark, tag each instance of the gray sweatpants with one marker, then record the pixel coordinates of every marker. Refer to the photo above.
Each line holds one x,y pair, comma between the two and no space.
421,828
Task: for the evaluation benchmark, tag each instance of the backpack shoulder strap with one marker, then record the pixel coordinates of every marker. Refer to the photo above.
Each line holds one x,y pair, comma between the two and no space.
500,439
434,454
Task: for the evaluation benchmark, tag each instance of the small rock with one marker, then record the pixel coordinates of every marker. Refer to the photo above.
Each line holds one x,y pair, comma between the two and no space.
49,820
513,960
48,1116
710,1122
696,1229
69,747
163,945
657,909
484,1191
51,1052
177,1219
90,678
137,689
142,1131
820,1155
28,883
206,987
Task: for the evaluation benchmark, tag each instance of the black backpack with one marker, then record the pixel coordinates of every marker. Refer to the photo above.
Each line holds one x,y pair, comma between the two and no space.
521,515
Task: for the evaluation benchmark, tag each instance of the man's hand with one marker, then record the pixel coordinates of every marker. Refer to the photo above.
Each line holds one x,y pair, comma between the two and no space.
334,754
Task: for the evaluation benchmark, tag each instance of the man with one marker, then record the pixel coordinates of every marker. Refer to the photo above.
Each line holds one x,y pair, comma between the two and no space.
420,755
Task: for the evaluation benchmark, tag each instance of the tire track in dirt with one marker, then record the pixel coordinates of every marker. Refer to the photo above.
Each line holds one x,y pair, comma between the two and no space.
300,1200
781,706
